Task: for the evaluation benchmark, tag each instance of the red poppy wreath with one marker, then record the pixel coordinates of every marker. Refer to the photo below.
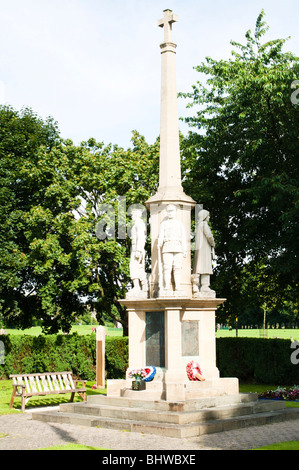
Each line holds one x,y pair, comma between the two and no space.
194,372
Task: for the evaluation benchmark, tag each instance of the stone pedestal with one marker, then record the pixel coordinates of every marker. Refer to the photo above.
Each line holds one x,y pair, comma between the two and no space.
168,333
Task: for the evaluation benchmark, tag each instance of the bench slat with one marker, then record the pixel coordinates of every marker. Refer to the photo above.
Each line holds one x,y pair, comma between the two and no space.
20,381
70,377
60,382
50,383
66,382
45,383
39,384
27,384
55,382
32,384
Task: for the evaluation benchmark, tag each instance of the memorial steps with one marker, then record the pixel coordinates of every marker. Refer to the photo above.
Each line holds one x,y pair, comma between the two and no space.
172,419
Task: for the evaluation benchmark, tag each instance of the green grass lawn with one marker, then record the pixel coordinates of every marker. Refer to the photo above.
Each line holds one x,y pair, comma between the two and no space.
35,402
73,447
242,333
282,333
80,329
288,445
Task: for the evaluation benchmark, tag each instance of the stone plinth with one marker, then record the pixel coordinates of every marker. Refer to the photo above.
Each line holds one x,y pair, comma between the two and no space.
161,390
183,329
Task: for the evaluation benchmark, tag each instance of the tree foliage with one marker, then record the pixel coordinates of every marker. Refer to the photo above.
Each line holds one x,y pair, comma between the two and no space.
105,176
244,159
52,264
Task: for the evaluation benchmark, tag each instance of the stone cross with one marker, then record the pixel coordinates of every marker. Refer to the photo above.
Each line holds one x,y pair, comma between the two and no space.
166,23
170,189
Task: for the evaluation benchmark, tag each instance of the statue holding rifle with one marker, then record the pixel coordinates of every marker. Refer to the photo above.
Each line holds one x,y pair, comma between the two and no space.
137,259
203,257
173,247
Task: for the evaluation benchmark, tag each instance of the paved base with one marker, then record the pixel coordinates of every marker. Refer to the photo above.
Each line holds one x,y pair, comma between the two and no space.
185,419
23,433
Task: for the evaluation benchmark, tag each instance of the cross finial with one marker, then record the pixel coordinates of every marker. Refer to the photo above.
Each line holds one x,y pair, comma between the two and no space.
166,22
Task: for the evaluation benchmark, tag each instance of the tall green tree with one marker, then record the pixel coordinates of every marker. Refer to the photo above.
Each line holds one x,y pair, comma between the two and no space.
243,148
37,200
109,181
53,263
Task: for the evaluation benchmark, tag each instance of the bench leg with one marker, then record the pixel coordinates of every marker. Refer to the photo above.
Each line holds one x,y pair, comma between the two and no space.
83,395
23,403
13,395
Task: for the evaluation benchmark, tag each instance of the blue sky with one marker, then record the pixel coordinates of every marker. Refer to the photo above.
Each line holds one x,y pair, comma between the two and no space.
94,65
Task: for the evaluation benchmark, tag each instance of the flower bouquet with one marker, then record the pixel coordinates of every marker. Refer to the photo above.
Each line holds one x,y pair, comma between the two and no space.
138,375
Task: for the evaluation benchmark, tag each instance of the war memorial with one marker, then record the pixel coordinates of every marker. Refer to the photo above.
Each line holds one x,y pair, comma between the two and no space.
171,312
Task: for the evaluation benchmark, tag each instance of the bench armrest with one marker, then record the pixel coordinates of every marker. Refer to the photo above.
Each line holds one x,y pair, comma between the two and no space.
79,381
16,386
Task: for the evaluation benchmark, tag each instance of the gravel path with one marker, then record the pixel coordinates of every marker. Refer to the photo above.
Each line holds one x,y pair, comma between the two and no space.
23,433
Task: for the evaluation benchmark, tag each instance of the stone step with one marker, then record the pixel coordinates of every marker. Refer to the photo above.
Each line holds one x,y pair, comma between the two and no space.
163,405
184,417
169,429
172,419
256,419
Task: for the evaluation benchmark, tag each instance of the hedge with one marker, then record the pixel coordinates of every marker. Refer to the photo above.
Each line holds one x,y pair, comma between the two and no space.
257,360
264,361
29,354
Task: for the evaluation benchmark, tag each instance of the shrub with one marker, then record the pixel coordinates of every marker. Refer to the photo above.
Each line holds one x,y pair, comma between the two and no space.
257,360
57,353
117,356
249,359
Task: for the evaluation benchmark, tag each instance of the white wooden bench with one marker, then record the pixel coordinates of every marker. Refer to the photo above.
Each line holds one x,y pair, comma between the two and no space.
50,383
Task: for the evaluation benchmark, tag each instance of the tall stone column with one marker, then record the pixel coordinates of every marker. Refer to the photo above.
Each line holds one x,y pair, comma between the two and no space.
170,190
170,168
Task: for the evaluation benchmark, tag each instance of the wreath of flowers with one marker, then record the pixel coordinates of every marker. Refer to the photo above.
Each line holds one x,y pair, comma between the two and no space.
147,374
150,373
192,369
